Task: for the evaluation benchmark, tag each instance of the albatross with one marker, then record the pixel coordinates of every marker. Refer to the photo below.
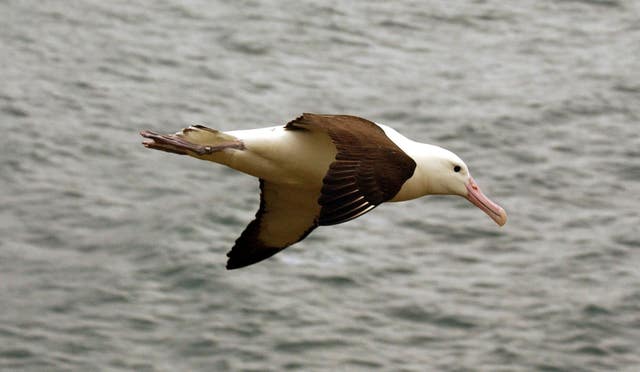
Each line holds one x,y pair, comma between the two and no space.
322,170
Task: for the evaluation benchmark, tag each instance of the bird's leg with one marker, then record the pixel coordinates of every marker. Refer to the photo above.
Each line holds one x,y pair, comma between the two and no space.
176,143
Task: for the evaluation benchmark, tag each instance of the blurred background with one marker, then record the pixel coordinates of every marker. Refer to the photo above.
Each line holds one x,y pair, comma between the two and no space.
112,256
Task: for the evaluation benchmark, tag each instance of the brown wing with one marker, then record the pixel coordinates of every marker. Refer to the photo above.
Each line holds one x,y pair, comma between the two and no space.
369,168
286,216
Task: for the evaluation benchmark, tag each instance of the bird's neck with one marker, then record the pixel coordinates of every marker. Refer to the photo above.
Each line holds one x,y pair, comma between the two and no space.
421,182
428,160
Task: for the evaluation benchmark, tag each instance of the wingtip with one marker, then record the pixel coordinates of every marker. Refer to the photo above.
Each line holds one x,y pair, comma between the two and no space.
243,258
234,264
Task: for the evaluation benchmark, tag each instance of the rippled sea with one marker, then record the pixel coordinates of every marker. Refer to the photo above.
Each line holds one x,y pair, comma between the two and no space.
112,256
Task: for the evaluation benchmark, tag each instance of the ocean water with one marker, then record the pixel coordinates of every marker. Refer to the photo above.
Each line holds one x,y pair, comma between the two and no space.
112,256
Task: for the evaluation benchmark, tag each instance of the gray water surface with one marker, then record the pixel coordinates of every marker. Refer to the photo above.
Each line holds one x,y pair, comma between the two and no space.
112,256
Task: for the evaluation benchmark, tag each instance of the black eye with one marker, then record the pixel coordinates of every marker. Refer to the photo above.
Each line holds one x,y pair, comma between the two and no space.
456,168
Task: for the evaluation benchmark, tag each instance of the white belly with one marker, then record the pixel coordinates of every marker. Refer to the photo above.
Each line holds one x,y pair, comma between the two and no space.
293,157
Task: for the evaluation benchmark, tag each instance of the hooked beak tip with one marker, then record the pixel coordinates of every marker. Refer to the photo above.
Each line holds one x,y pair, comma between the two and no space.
493,210
501,218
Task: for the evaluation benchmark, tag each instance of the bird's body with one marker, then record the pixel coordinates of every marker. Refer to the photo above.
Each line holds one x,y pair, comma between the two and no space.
323,170
275,154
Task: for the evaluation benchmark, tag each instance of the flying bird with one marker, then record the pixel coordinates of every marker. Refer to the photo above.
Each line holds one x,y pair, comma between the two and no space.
323,170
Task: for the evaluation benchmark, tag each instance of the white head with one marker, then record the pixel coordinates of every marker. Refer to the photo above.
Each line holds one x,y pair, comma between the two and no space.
440,171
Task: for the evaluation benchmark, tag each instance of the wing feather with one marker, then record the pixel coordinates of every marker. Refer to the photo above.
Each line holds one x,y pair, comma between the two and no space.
368,170
286,215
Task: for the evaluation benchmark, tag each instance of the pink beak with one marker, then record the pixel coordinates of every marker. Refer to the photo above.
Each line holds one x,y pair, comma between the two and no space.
478,199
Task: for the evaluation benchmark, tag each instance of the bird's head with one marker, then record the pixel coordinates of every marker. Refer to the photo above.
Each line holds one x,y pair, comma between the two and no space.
449,175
